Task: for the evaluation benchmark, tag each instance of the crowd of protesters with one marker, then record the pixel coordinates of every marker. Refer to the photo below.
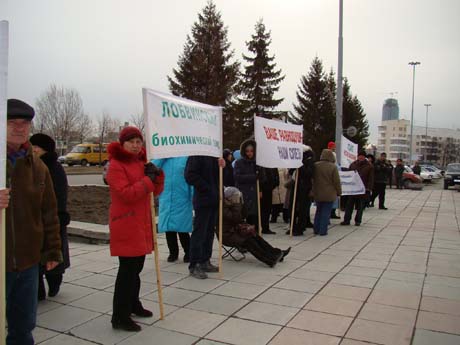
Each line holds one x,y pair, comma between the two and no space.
254,197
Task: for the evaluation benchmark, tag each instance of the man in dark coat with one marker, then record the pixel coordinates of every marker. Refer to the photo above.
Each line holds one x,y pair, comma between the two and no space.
417,169
381,169
399,173
45,148
229,180
202,172
246,179
32,225
303,199
366,172
268,180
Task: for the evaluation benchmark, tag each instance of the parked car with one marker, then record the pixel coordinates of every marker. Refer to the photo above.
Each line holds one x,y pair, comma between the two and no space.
452,176
61,159
84,154
426,175
410,180
437,173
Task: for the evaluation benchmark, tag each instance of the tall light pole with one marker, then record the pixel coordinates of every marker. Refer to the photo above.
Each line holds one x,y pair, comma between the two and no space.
339,101
426,132
413,64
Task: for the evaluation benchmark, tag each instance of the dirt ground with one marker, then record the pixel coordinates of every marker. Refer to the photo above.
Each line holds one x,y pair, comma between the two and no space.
89,204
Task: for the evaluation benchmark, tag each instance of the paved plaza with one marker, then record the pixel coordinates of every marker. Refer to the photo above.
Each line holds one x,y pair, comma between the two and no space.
394,280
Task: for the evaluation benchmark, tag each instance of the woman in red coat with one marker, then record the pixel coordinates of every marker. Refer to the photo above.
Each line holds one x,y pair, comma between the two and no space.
130,182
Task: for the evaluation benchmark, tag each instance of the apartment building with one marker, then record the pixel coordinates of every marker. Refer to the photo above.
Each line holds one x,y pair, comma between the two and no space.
440,146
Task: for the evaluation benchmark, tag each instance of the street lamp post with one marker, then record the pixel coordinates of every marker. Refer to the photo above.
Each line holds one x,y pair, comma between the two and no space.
413,64
426,132
339,100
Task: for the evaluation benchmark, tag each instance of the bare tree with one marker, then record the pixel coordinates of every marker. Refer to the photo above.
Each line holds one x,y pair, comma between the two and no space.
59,110
84,128
105,125
138,121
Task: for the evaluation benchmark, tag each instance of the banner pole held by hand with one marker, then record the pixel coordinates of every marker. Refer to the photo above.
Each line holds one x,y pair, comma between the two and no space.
258,208
293,201
220,219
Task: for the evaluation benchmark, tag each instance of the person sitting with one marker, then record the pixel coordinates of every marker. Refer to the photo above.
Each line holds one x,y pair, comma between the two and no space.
237,233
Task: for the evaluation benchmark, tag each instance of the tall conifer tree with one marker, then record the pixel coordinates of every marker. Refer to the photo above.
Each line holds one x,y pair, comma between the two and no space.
316,107
205,71
260,80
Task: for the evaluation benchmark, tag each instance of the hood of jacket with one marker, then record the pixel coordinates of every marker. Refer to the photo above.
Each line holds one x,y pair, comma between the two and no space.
327,155
117,152
245,144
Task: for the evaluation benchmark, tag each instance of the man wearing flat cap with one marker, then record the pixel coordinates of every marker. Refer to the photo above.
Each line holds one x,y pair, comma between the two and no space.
32,225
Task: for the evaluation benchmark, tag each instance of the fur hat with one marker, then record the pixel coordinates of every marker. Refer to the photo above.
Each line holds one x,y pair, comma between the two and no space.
44,141
129,133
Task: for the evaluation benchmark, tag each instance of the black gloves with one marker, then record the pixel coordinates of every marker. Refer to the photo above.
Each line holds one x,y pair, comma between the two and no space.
151,171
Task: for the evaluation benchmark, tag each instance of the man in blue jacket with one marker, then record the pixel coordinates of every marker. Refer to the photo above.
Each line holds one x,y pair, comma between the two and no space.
202,172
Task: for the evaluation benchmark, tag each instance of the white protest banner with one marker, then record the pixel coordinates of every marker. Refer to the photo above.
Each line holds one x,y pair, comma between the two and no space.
349,152
279,144
351,183
3,109
177,126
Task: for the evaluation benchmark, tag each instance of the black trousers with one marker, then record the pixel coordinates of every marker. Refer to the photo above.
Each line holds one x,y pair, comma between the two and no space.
127,287
262,250
399,182
352,203
379,191
171,240
54,280
204,225
265,208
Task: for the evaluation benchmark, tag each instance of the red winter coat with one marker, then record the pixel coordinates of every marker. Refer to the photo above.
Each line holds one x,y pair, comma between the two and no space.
130,218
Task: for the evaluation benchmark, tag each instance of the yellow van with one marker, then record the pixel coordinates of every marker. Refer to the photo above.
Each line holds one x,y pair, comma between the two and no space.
84,154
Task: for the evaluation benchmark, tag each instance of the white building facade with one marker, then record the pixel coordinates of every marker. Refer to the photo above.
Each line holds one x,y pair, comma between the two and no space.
440,146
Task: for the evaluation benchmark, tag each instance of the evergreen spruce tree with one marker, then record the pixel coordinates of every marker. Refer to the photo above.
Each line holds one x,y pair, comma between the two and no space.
205,72
316,108
260,80
354,116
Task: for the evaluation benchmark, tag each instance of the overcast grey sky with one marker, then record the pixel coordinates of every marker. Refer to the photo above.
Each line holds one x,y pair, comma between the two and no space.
109,49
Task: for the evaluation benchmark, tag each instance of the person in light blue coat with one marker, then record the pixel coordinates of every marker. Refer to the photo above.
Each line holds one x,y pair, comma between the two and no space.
176,210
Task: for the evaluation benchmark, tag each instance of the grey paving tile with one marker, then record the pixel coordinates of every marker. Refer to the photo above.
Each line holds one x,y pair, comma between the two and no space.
99,302
268,313
65,318
159,336
347,292
321,322
285,297
439,322
193,322
303,285
424,337
218,304
354,280
264,279
194,284
380,333
174,296
64,339
388,314
41,334
440,305
239,290
334,305
293,336
244,332
47,305
71,292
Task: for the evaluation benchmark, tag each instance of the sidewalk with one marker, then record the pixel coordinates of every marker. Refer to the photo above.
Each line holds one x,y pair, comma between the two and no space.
394,280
